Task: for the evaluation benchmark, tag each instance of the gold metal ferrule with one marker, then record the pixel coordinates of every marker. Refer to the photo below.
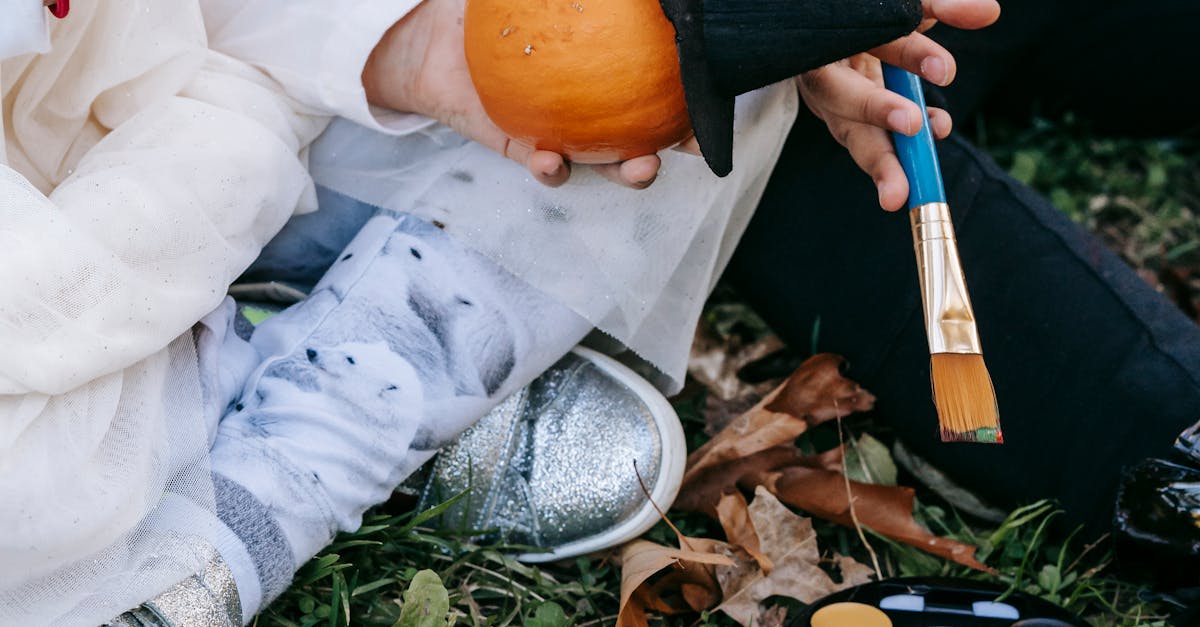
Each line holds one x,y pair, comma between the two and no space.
949,320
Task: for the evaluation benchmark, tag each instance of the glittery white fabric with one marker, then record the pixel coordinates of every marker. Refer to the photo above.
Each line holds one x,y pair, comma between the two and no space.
637,264
141,174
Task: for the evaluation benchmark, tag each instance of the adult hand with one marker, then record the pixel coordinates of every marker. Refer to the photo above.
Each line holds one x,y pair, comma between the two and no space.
850,98
419,66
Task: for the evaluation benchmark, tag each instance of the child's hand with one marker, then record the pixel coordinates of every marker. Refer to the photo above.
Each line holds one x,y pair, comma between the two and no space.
860,112
419,66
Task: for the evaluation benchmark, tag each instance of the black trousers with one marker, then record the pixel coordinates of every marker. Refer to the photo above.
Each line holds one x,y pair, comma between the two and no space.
1093,369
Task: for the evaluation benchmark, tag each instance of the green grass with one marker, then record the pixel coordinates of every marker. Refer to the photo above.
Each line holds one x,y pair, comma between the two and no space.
1138,194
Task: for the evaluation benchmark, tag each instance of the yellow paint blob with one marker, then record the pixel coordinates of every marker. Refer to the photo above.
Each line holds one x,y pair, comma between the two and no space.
850,615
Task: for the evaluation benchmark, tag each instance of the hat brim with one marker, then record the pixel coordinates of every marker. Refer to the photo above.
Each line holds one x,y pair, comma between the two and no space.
710,111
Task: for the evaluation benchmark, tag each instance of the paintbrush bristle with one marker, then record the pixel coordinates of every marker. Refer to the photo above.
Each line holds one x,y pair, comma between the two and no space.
965,400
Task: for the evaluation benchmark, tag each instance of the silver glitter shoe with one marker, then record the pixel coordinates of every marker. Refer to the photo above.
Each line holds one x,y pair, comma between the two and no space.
556,466
207,599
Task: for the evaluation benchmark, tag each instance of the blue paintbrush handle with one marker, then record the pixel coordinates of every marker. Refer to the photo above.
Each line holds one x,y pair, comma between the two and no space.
917,154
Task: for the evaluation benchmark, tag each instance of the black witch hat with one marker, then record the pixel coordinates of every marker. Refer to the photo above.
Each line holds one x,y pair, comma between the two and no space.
730,47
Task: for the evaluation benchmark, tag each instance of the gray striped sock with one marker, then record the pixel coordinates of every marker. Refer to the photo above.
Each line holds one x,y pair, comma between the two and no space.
247,517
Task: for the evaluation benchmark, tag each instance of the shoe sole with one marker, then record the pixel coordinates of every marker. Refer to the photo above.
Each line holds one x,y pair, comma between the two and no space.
666,484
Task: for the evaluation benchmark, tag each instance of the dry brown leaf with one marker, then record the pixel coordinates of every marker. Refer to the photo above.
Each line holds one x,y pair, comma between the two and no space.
704,489
833,459
734,514
854,572
791,543
641,559
756,449
818,392
646,599
775,616
715,362
887,510
814,393
633,610
754,431
707,488
698,586
813,484
654,602
719,413
700,597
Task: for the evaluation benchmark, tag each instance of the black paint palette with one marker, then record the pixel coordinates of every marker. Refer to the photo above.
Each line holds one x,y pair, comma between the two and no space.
933,602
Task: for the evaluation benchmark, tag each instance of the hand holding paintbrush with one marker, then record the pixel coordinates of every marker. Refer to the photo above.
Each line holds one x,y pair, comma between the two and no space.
962,388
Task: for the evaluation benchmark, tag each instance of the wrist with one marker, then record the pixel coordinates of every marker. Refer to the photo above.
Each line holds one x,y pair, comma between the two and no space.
391,75
375,75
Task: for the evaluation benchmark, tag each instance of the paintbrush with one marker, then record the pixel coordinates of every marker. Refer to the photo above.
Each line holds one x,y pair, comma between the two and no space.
962,387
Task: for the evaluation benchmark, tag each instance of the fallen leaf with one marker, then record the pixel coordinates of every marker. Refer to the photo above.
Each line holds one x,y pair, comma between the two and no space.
775,616
633,611
640,560
733,513
426,602
791,543
548,614
718,413
756,449
706,488
887,510
698,587
833,459
714,362
869,461
753,432
703,490
818,392
699,597
814,393
854,572
718,368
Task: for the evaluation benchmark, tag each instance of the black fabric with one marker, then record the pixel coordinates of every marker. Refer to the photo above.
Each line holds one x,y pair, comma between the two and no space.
1093,369
729,47
752,43
710,110
1121,64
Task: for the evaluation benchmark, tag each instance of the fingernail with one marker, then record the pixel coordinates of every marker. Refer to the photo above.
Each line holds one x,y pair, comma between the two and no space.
899,122
646,183
553,172
935,70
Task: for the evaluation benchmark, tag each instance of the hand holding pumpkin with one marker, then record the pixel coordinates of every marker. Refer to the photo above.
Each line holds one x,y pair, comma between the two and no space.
419,66
850,98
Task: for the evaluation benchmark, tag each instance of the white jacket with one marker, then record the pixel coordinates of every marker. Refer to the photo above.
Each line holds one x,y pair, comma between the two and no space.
146,157
107,67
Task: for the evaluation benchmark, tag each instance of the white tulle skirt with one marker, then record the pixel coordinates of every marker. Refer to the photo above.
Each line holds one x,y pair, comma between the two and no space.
638,264
139,174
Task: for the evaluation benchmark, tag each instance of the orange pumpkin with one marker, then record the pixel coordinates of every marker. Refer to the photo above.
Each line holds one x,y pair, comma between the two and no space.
595,80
